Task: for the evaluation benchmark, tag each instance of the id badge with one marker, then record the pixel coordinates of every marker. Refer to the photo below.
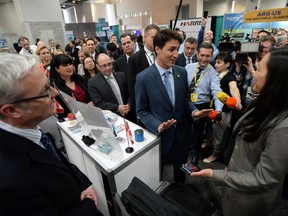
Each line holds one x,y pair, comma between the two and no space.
194,97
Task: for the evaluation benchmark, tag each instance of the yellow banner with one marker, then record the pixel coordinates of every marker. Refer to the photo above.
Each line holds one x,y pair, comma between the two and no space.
271,15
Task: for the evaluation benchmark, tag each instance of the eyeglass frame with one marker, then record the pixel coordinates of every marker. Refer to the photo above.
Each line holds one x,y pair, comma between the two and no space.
109,64
46,93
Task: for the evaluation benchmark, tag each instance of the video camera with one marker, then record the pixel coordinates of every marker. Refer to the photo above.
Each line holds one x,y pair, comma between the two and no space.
248,49
226,43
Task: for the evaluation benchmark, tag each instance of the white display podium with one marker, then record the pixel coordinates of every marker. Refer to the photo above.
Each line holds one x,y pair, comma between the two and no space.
113,176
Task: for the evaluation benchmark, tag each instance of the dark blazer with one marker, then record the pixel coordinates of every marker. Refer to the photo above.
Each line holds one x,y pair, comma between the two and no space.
32,182
154,107
74,56
137,63
121,64
181,60
102,94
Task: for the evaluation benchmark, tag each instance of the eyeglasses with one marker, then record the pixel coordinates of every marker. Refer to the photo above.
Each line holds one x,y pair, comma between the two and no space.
46,93
109,64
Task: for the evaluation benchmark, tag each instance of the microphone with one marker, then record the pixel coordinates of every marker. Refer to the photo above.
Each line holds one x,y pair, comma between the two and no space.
230,102
215,116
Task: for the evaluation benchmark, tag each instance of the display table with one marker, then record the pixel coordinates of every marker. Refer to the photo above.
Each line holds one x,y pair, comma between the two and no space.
111,176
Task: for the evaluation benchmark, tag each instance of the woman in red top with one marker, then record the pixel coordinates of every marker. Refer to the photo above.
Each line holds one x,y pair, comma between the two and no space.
62,74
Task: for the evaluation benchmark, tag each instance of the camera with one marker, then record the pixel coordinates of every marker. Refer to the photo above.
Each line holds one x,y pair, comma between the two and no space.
47,67
248,49
226,43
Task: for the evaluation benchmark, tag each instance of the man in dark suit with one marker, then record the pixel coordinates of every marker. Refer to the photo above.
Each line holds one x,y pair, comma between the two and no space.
74,53
111,51
140,61
35,179
91,48
188,56
121,64
108,90
99,47
162,101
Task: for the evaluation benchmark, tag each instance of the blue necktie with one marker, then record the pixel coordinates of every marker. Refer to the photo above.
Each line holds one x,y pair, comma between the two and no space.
48,145
168,86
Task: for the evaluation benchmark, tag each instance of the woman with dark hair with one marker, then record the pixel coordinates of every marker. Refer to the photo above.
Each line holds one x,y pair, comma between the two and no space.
229,86
62,73
253,181
90,69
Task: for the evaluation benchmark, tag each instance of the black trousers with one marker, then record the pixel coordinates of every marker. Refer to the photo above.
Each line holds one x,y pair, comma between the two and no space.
198,133
177,156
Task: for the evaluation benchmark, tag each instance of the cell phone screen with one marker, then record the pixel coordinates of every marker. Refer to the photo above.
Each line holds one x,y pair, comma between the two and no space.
189,168
205,14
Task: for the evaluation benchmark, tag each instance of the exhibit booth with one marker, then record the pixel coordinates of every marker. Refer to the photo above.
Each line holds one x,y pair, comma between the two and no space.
110,151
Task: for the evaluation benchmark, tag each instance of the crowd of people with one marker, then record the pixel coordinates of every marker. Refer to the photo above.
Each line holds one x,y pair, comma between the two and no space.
168,85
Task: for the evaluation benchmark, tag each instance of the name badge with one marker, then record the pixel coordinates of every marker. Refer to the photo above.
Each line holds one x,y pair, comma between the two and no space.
194,97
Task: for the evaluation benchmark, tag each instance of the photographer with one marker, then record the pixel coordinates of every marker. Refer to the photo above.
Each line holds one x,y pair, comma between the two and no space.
266,43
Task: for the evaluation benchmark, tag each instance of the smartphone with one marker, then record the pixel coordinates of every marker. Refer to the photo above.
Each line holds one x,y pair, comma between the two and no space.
205,14
189,168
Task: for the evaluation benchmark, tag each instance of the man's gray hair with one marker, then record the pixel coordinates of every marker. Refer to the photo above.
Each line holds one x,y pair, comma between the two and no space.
13,68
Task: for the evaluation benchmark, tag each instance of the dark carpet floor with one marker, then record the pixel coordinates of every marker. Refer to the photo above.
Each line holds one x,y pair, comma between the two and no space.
207,188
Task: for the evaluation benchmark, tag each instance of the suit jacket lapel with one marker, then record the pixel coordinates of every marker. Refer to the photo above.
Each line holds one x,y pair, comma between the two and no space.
177,85
119,81
107,86
144,63
22,145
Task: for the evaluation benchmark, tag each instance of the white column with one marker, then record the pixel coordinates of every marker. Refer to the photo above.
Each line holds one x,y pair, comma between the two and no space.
41,19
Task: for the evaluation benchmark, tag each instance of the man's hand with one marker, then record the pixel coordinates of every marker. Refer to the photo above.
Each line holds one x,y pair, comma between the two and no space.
124,109
249,66
201,113
238,104
203,22
203,173
166,125
89,193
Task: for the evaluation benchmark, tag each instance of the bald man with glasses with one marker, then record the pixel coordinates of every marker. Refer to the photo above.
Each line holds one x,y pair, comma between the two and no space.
36,179
107,89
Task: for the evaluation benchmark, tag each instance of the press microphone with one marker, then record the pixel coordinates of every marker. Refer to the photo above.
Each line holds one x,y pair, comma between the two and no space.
215,116
230,102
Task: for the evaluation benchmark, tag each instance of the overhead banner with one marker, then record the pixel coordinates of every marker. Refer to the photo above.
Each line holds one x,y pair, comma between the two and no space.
271,15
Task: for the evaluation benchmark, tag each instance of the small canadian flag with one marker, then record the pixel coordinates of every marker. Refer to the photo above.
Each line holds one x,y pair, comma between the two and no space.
128,133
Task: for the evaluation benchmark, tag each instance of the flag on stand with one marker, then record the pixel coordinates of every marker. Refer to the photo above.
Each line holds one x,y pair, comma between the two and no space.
128,133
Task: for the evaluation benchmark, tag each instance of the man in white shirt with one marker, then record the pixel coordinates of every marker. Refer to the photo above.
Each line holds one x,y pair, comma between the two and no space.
27,49
32,169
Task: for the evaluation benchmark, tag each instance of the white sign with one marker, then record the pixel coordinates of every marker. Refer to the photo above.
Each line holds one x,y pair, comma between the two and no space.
191,26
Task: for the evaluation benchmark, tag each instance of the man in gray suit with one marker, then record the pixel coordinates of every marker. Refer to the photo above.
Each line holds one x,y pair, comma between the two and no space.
108,90
162,101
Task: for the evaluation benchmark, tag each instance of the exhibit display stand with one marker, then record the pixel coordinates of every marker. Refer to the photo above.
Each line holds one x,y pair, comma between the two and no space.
111,169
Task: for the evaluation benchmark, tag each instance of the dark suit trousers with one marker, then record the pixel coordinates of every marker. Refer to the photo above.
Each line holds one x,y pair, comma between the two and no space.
178,156
198,133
